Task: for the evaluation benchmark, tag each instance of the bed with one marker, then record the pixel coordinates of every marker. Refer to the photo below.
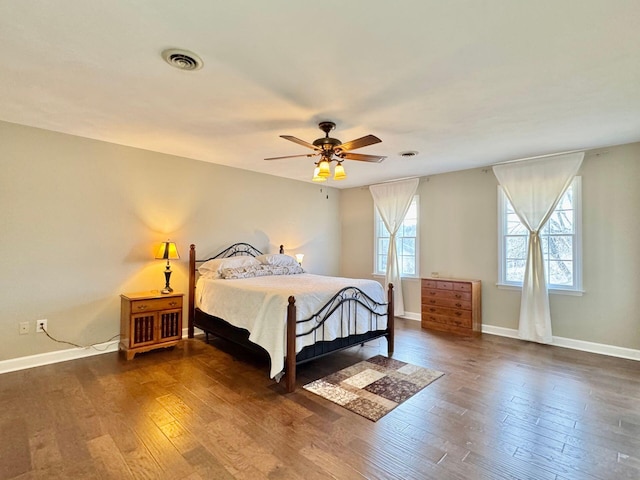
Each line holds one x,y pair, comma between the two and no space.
255,300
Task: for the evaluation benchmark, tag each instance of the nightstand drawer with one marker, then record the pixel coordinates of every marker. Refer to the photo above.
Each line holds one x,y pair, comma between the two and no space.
153,305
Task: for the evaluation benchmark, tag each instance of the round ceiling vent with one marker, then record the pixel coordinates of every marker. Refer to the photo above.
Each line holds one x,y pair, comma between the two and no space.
182,59
408,153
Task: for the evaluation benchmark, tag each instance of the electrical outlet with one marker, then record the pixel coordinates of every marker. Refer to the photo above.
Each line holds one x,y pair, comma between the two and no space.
23,328
41,325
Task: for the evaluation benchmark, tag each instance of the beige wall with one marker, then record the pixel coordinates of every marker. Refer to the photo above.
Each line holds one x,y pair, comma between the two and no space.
458,237
80,220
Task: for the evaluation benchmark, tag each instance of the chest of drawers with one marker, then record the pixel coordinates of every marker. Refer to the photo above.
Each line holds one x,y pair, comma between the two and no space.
452,305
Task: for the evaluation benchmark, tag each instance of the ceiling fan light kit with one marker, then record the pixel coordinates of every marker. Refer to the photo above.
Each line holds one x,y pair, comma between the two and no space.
323,171
328,148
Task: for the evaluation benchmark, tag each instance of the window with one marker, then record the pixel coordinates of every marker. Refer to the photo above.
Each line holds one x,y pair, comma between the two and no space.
406,243
560,238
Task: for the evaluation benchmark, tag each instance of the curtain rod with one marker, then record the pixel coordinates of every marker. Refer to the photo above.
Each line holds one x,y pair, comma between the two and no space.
538,157
397,180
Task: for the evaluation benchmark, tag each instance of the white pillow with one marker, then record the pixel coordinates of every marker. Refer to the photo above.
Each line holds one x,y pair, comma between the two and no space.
278,259
214,267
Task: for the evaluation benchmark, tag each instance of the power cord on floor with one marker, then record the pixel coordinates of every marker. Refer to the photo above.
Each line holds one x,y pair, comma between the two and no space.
93,345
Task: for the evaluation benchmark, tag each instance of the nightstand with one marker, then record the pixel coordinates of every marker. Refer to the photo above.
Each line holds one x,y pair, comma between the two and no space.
149,320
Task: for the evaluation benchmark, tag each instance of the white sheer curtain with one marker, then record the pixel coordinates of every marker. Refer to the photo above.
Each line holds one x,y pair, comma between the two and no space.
392,200
534,188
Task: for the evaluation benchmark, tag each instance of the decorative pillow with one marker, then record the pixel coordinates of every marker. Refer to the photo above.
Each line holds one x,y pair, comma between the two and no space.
213,268
278,259
249,271
282,269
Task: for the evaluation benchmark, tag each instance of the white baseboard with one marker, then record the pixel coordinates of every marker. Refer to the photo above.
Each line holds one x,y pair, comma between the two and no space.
600,348
411,316
22,363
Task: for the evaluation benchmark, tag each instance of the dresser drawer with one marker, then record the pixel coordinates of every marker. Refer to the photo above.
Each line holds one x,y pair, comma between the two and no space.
445,320
446,302
439,284
433,293
429,284
462,287
449,312
461,295
443,285
152,305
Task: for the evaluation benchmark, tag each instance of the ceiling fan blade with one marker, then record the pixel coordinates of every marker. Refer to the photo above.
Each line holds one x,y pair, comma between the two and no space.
361,157
293,156
298,141
360,142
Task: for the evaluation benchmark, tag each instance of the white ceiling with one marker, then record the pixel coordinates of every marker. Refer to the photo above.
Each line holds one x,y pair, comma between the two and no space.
466,83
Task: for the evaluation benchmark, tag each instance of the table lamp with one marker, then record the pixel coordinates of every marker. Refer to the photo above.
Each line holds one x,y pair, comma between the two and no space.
167,251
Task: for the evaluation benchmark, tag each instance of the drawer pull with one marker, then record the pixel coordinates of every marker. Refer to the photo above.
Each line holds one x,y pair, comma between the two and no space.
142,307
432,309
457,295
458,304
432,301
432,293
173,304
458,313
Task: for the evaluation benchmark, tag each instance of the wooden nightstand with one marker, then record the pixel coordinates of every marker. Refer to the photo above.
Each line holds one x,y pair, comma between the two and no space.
149,320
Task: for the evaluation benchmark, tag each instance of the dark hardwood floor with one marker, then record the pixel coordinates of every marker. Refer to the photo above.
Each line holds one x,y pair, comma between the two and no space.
505,409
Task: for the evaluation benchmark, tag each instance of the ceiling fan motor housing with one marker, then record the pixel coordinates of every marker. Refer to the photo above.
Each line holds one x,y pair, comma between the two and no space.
327,144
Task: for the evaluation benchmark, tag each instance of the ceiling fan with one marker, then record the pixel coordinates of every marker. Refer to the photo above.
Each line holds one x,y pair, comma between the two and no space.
331,149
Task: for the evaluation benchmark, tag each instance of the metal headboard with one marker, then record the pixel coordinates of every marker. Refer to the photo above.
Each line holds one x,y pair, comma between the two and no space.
238,249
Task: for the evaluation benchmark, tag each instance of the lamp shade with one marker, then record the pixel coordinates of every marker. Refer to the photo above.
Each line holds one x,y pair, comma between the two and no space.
316,177
299,257
167,251
323,168
339,173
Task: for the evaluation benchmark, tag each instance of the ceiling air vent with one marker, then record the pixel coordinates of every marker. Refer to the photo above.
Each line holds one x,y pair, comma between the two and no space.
409,153
182,59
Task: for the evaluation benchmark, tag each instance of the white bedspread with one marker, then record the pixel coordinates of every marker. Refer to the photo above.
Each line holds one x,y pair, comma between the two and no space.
260,305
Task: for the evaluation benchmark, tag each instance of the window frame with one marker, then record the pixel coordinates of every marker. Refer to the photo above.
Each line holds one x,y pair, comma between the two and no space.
577,287
376,219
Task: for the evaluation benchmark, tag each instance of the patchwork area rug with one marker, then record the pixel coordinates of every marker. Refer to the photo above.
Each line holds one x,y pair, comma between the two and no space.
374,387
